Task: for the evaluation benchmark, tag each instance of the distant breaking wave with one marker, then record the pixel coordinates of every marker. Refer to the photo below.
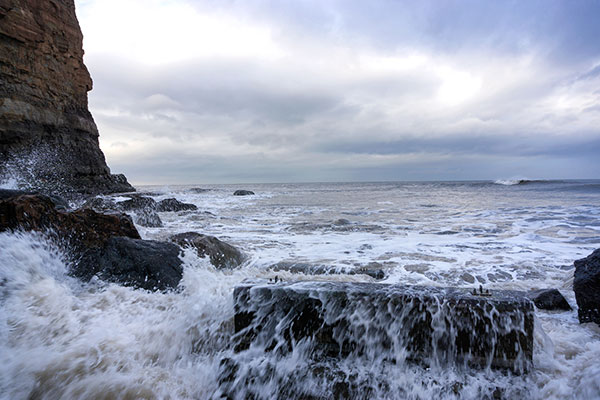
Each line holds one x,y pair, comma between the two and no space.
511,182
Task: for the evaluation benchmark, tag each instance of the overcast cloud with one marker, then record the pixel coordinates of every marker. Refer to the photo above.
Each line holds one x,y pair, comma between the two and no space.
284,91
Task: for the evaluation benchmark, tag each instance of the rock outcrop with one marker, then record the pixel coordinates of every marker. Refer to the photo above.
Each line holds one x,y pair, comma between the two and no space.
48,138
145,264
222,255
586,286
107,246
243,193
549,299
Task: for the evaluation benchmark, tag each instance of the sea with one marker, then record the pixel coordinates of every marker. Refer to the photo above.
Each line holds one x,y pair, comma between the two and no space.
64,339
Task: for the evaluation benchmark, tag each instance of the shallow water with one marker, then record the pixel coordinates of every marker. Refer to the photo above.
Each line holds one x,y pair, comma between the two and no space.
62,339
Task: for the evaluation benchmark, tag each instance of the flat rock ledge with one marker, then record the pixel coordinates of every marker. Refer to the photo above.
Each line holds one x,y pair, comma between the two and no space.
429,325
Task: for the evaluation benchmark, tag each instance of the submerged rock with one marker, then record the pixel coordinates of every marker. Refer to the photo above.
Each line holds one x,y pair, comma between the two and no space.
549,299
374,270
221,254
139,263
174,205
586,286
199,190
243,193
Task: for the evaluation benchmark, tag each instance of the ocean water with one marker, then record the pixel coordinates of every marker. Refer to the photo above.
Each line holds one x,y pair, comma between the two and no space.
60,338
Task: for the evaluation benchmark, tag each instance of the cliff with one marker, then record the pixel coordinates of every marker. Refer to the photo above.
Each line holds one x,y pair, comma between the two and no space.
48,138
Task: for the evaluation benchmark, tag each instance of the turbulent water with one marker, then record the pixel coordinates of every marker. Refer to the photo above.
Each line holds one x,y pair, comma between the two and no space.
60,338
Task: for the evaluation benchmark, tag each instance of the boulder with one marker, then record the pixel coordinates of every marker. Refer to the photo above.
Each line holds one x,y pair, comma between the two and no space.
103,245
59,202
549,299
243,193
174,205
586,286
137,203
221,254
148,218
82,229
382,322
100,204
139,263
144,210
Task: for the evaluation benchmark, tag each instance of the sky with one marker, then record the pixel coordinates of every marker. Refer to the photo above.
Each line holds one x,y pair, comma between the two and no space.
234,91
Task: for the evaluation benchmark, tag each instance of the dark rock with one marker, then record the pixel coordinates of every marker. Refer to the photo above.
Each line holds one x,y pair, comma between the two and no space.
341,221
82,228
139,263
58,201
174,205
100,204
8,193
144,210
148,218
431,325
587,287
549,299
48,138
374,270
221,254
199,190
137,203
243,193
106,245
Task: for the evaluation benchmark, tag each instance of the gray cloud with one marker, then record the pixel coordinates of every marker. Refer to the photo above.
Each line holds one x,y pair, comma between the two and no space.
356,90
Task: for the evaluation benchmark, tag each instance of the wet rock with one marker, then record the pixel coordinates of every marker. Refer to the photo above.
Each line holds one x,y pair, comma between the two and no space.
137,203
174,205
430,325
586,286
549,299
221,254
341,221
8,193
45,123
100,204
199,190
374,269
82,229
139,263
243,193
143,210
148,218
59,202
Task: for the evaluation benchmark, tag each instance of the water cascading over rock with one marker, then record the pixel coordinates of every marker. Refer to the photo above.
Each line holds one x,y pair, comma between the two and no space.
325,324
48,138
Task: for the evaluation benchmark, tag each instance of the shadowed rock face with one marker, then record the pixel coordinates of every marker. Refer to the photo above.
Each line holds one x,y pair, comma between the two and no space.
48,138
586,285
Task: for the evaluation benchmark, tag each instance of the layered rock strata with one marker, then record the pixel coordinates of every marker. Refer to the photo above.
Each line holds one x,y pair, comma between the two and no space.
48,138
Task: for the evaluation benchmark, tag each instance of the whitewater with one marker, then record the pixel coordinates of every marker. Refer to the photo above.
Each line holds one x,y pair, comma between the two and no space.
61,338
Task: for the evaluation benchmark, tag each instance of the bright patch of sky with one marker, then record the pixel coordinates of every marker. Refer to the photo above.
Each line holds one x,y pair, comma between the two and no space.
283,91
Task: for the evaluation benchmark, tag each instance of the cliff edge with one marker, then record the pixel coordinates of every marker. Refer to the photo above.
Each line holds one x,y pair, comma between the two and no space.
48,138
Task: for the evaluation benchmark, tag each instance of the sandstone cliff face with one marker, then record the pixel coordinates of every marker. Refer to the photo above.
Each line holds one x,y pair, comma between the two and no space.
48,137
